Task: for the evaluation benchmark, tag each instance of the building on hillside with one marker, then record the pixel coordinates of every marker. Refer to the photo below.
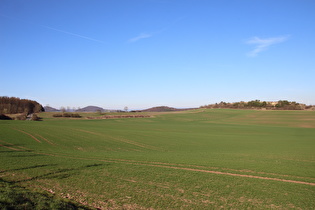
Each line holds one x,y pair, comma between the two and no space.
273,103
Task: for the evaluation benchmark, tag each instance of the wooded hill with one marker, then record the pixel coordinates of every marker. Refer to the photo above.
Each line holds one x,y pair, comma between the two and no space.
90,109
13,105
163,109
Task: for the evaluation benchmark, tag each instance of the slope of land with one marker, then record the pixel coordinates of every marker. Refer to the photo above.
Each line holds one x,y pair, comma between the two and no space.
198,159
163,109
50,109
90,109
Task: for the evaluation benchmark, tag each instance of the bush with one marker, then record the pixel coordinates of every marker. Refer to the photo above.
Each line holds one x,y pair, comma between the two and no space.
57,115
35,118
74,115
21,117
66,115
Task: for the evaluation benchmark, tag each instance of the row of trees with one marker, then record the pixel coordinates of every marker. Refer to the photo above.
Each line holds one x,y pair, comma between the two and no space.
13,105
257,104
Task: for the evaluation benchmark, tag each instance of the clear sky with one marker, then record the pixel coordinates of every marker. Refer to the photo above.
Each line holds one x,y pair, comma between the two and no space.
144,53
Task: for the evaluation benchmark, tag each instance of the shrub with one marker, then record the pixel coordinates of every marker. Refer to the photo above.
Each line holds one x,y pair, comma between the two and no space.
66,115
21,117
74,115
35,118
57,115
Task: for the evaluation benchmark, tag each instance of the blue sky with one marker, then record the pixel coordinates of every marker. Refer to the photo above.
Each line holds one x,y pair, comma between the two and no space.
144,53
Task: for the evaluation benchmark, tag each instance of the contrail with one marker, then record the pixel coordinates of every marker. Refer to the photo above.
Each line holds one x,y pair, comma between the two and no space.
55,29
73,34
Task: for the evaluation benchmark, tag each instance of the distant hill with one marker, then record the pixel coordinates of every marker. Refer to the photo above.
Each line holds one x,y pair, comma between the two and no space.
50,109
162,109
90,109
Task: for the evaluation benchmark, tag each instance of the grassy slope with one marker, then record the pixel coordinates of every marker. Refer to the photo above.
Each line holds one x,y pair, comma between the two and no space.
168,161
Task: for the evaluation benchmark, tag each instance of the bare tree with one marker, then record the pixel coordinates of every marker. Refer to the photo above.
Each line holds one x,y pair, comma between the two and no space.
63,109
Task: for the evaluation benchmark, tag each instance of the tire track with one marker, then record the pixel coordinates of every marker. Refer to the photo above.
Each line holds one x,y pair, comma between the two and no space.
21,147
190,169
33,137
238,175
130,162
1,145
49,142
120,139
206,168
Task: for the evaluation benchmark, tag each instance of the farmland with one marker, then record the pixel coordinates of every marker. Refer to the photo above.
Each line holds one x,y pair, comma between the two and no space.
196,159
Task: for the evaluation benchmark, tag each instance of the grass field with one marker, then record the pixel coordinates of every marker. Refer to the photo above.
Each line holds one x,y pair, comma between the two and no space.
200,159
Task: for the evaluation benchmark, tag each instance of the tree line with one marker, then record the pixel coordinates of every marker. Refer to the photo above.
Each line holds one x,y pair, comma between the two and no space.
257,104
14,105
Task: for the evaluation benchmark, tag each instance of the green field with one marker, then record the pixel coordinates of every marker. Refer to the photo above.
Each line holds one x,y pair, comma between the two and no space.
200,159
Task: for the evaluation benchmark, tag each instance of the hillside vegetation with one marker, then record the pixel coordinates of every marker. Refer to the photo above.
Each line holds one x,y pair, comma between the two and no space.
13,105
197,159
257,104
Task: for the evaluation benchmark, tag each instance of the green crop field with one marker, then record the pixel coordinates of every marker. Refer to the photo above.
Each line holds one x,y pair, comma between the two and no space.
199,159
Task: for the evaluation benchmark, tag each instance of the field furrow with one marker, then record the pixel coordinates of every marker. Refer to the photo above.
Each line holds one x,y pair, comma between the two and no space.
33,137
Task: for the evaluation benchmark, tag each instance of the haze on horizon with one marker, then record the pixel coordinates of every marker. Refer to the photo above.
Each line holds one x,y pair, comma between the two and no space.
140,53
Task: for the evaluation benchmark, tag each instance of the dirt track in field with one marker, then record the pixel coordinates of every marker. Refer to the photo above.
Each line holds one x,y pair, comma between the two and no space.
33,137
120,139
170,166
1,145
167,165
49,142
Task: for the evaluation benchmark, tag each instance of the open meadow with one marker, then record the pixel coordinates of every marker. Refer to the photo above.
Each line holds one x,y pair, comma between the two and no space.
197,159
